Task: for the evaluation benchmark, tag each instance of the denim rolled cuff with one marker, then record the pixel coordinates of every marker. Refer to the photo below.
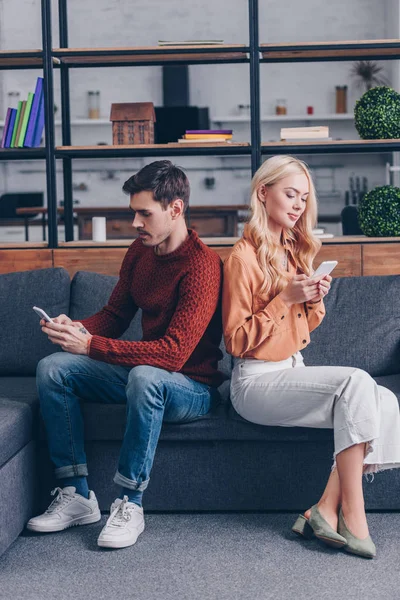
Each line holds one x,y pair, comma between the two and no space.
71,471
131,484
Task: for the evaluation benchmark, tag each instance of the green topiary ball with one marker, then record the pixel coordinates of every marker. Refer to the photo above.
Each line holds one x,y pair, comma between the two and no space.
377,114
379,212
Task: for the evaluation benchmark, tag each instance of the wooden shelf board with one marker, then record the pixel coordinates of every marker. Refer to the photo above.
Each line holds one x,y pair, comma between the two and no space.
334,142
151,146
151,54
336,49
333,146
230,241
209,241
22,245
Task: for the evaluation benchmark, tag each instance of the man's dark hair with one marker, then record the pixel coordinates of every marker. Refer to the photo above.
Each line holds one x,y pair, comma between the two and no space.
165,180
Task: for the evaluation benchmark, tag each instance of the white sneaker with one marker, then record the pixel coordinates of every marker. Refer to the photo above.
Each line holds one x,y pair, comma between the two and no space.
67,509
124,525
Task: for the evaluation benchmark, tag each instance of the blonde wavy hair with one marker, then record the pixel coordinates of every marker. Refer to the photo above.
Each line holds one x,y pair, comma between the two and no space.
303,242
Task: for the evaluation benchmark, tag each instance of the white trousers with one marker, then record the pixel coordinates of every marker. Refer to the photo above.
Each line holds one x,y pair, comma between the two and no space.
289,394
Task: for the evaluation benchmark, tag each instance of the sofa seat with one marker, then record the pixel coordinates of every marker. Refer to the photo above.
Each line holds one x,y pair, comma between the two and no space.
106,422
16,422
17,469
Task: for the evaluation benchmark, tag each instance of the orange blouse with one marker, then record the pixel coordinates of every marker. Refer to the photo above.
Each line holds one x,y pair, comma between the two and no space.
257,325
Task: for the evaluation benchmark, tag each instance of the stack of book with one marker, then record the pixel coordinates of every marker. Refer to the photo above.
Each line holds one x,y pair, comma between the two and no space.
23,126
305,134
190,42
207,136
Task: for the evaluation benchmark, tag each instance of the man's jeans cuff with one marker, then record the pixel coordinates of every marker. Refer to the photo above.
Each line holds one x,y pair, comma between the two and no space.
71,471
130,484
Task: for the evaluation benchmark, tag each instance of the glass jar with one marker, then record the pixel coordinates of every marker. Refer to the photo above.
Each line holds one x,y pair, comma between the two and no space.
281,107
94,104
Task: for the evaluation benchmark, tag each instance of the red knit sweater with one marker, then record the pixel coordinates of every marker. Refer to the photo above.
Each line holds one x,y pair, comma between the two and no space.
179,294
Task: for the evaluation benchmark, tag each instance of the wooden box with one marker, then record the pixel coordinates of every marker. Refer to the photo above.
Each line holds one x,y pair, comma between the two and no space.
132,123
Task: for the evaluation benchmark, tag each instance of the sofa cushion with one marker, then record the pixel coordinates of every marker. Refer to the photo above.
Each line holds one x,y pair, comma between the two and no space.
15,428
362,326
19,389
91,291
391,382
23,343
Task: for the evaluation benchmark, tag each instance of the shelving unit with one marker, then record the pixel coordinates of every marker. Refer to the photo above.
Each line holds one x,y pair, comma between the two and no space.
253,54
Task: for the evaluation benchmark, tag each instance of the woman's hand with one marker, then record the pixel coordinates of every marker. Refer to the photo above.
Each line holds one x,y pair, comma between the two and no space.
305,289
324,285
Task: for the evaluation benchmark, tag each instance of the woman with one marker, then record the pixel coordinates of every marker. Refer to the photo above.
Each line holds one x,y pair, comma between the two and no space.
270,305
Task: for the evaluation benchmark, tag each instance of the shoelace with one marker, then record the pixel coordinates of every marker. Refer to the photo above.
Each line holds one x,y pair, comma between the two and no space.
121,514
60,500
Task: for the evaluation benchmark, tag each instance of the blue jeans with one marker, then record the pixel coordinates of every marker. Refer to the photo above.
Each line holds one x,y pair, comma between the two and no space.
151,394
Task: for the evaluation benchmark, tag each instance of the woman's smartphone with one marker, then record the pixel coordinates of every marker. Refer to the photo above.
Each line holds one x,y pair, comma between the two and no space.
42,314
325,268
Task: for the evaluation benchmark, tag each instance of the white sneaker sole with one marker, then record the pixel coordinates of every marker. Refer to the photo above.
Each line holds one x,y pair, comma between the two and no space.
43,528
119,543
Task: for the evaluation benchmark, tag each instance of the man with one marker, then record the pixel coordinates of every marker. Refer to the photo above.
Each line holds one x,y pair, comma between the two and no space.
171,374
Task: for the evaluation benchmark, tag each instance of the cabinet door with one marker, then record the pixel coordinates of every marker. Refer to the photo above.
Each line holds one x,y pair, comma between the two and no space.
347,255
381,259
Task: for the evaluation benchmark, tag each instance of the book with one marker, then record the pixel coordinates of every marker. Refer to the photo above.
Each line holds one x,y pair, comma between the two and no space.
190,42
324,236
24,125
206,141
206,136
21,118
304,132
17,118
39,124
10,128
28,142
316,128
6,124
213,131
307,139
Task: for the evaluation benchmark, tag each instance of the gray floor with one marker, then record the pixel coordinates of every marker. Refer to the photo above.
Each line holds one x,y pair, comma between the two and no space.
201,556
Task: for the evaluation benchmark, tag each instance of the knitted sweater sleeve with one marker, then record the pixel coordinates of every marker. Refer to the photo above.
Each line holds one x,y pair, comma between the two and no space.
199,294
114,318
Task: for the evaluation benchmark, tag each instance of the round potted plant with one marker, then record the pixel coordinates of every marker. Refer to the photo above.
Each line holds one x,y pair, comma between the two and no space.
377,114
379,212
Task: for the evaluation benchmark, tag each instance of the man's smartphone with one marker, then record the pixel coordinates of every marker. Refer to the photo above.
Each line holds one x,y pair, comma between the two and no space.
325,268
42,314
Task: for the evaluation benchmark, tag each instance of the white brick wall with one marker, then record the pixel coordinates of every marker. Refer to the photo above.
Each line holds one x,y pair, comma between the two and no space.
221,87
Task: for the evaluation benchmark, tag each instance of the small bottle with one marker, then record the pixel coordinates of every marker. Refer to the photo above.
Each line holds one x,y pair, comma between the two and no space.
341,99
94,104
281,108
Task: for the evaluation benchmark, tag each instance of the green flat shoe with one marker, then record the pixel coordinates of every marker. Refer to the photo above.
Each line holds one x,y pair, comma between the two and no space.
323,531
365,548
303,528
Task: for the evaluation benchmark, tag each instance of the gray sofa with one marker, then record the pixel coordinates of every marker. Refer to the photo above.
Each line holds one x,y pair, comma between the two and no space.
220,462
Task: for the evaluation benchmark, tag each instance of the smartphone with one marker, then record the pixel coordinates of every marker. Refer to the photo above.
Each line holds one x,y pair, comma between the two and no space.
42,314
325,268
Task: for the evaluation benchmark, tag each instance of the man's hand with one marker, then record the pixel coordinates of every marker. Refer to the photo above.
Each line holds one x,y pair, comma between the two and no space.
72,338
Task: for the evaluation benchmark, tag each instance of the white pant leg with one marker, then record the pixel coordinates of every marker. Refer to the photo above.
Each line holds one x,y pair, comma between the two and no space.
343,398
384,452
